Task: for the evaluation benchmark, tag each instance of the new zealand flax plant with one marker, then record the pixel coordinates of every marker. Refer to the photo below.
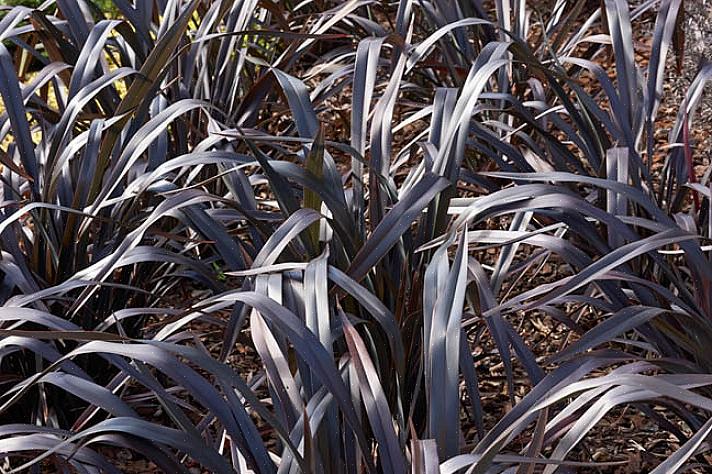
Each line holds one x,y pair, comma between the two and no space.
366,196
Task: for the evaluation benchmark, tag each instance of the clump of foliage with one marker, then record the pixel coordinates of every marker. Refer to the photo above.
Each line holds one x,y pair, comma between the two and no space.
365,194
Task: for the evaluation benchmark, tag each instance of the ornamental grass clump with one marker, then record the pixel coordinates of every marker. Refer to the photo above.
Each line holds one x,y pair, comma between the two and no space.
270,237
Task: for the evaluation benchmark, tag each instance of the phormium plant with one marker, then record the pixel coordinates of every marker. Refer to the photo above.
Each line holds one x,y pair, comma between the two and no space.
294,237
